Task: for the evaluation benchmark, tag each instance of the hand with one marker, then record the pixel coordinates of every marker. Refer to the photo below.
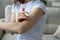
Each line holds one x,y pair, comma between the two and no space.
23,15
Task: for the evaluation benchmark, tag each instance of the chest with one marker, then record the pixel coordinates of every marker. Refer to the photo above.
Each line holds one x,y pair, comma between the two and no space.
26,7
19,9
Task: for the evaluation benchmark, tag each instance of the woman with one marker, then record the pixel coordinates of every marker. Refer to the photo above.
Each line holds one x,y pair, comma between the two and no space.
28,19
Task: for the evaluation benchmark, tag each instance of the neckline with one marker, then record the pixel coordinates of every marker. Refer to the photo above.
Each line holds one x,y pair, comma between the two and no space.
27,3
23,4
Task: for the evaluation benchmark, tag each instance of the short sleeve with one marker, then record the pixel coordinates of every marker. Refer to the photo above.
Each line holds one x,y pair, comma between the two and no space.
13,9
39,4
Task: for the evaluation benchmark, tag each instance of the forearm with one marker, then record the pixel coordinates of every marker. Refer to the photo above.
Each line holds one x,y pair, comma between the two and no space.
16,27
10,26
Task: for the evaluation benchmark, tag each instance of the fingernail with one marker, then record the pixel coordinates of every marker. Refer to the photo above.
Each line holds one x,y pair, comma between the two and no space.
26,14
23,9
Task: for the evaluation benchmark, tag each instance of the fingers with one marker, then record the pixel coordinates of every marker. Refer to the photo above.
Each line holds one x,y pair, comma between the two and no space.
21,18
23,15
26,14
23,9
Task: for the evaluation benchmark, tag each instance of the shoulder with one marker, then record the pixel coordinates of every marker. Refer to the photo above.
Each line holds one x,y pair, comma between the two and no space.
39,4
13,8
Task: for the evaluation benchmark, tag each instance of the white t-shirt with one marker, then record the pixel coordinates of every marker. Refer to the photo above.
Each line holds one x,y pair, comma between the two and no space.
35,33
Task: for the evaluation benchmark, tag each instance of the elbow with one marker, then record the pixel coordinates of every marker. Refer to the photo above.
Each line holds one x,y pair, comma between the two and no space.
20,32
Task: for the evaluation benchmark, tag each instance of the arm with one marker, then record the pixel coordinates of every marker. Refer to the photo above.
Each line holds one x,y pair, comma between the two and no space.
24,26
13,16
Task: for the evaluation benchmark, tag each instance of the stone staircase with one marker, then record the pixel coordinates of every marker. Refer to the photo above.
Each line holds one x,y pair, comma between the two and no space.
55,3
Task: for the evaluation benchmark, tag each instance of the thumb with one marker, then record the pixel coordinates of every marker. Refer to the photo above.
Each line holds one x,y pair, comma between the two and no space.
23,9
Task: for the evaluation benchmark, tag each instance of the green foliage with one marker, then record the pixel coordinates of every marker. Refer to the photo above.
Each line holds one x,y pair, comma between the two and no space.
44,1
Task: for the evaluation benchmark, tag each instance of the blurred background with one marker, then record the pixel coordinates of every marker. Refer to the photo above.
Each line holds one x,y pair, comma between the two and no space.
52,31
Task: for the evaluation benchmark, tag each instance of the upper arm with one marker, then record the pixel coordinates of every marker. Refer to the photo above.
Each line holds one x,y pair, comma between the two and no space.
37,12
28,24
13,16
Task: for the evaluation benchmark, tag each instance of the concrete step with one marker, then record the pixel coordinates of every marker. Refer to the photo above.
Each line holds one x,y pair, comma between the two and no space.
57,4
2,19
53,0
